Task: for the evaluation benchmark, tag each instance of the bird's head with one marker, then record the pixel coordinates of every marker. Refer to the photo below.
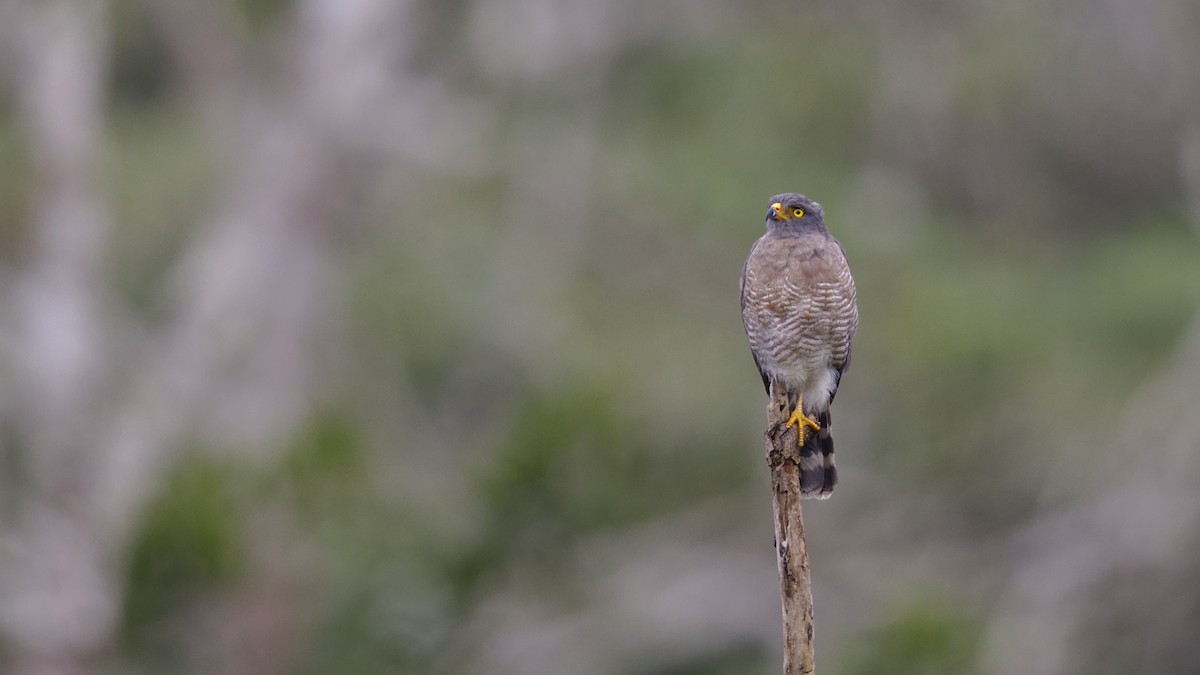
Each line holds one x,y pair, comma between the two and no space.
792,209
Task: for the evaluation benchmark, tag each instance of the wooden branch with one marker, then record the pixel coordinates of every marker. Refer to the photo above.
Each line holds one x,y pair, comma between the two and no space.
791,550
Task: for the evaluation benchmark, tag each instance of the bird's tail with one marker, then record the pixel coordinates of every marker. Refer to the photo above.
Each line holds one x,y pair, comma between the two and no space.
818,475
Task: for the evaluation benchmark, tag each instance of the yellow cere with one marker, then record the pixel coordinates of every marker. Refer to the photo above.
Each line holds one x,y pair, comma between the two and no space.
786,215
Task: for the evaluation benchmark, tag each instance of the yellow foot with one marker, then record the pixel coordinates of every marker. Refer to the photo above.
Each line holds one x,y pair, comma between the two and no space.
798,418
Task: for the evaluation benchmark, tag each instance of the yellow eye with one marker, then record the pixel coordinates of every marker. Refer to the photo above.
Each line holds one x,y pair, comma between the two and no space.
798,213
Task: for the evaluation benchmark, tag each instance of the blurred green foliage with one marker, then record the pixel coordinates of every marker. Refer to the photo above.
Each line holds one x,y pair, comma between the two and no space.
920,639
734,659
140,64
191,544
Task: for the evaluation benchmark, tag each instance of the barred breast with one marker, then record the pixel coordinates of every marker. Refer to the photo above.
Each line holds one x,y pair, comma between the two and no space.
799,308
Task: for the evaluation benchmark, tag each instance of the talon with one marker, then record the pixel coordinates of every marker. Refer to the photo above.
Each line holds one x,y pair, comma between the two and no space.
801,420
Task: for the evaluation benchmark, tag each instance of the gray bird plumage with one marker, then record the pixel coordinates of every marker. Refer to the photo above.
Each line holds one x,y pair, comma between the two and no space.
800,313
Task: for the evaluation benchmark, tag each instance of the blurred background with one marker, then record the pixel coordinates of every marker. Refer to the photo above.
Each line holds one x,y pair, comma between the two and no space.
402,336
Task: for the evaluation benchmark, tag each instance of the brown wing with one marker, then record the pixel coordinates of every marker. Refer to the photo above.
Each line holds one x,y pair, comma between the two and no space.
742,301
847,311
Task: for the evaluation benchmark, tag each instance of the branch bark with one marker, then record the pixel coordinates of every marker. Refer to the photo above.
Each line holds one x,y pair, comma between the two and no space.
791,549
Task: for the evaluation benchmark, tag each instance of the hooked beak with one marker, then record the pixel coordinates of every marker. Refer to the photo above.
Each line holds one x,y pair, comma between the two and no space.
776,212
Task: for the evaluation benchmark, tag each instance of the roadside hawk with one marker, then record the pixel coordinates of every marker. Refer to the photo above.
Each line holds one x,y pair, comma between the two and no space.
800,313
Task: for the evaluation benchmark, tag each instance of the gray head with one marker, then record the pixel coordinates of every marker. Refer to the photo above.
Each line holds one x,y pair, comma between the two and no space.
794,211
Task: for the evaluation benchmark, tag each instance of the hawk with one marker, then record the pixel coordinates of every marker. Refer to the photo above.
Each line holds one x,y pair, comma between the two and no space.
800,313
